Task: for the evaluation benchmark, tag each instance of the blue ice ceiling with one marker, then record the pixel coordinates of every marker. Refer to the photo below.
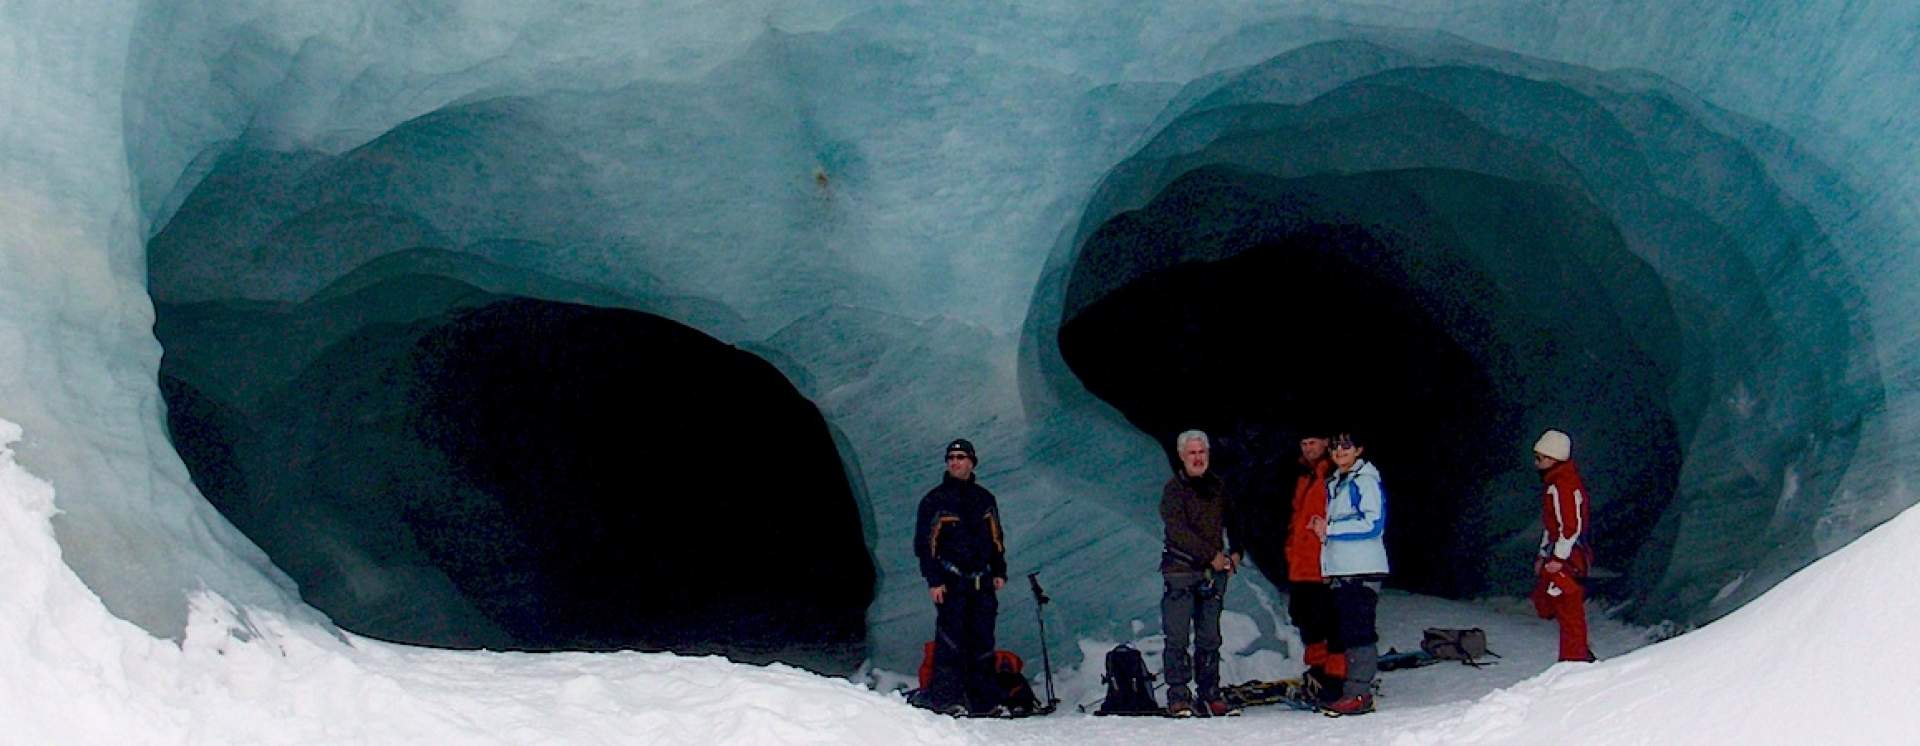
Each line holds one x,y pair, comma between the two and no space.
1679,230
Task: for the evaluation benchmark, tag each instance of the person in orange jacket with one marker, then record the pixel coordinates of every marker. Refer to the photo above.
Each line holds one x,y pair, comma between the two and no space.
1564,556
1309,598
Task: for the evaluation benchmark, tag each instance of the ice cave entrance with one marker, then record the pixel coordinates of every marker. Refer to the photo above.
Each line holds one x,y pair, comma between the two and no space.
1363,302
1450,259
439,465
443,445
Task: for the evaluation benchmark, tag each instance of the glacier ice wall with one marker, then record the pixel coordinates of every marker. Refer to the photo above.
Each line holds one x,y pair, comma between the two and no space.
889,200
1602,254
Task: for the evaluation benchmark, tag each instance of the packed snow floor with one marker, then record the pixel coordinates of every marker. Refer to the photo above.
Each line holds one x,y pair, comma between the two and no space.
1526,645
1825,657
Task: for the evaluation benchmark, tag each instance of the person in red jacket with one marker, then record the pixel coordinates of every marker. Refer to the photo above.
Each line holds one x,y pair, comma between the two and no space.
1564,555
1309,598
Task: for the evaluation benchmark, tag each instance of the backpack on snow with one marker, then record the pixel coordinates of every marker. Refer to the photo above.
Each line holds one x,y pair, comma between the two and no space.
1465,645
1020,699
1129,684
1007,676
1003,660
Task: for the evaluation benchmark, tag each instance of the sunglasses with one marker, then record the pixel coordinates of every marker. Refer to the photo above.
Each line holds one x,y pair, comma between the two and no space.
1343,444
956,455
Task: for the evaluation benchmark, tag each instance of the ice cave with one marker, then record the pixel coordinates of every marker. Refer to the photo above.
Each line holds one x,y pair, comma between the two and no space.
639,326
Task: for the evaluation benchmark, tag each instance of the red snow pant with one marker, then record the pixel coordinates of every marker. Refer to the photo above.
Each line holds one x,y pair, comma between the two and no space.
1560,597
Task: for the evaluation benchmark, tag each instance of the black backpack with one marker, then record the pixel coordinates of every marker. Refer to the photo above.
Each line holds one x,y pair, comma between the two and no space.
1020,697
1129,684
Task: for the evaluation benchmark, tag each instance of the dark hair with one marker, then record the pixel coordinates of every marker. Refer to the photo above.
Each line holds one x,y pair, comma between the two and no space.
1347,436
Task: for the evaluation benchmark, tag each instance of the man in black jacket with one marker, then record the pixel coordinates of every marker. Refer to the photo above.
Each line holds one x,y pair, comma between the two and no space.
963,556
1196,565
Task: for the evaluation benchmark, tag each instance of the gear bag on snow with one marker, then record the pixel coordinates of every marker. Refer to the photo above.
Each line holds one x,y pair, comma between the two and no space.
1020,699
1129,684
1003,660
1007,676
1465,645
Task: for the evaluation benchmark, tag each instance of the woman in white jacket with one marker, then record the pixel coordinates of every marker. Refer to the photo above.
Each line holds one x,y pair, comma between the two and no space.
1354,561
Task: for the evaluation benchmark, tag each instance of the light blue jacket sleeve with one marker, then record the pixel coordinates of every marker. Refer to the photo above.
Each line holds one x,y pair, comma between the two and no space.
1368,522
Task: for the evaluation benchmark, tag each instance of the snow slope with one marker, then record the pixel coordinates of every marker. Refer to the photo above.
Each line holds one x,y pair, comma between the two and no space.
1825,657
1822,657
71,673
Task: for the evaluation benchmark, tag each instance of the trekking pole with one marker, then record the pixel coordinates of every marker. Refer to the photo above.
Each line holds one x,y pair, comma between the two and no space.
1039,612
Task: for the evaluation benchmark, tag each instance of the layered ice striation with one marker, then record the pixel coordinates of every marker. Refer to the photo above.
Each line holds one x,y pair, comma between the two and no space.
1677,230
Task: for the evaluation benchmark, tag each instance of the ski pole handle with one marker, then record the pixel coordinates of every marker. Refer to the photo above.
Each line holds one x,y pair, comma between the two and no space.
1039,596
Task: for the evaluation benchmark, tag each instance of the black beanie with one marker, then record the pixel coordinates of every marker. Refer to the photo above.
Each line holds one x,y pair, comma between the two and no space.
961,445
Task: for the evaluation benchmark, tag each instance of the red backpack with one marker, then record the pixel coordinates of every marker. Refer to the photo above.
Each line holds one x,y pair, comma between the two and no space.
1004,661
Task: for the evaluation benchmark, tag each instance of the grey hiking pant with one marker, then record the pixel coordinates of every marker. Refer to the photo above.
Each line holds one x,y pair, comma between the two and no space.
1190,608
1354,601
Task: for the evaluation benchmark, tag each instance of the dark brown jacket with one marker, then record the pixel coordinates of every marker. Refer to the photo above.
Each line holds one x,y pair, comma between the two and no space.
1196,512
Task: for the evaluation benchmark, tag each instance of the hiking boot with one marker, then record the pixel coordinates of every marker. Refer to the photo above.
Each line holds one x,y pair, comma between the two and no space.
1355,705
998,711
1179,701
954,710
1219,708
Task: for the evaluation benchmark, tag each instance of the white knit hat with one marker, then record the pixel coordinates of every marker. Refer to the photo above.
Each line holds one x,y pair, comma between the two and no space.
1555,445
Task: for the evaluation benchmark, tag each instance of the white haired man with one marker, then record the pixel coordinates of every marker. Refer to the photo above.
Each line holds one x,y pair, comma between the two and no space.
1195,564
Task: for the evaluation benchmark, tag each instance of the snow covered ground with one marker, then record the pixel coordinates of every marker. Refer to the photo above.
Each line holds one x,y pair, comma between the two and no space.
1525,643
1823,657
1409,698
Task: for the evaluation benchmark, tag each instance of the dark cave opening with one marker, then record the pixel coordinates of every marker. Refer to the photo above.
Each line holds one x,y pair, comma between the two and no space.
672,489
1254,348
1445,315
532,475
